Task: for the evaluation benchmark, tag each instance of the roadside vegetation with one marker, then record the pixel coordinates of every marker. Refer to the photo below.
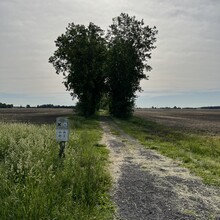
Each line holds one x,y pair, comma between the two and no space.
199,153
36,184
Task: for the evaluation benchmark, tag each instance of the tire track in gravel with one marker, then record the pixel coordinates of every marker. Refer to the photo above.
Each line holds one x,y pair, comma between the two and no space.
149,186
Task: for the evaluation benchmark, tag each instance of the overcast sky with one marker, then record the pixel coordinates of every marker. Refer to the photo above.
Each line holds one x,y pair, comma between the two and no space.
185,63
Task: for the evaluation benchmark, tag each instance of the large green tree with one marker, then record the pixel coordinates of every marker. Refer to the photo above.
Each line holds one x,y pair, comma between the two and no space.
129,48
81,57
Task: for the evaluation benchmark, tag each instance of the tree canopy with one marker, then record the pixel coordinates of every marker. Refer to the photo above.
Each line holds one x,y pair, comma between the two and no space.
130,45
111,66
80,56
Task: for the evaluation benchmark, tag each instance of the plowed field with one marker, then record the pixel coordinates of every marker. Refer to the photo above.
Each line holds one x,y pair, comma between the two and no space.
33,115
196,120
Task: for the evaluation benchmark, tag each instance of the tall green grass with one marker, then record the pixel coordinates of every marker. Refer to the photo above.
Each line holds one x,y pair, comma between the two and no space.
36,184
199,153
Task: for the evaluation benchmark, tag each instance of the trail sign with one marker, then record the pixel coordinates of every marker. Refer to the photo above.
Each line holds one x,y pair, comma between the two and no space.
62,129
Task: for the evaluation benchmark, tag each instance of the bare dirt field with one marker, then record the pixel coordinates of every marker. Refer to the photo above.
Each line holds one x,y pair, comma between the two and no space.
33,115
198,120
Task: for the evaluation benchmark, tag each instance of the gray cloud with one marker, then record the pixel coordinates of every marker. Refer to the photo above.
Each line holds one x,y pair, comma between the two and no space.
186,58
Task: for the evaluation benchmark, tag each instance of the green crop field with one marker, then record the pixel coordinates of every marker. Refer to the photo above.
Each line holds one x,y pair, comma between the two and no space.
36,184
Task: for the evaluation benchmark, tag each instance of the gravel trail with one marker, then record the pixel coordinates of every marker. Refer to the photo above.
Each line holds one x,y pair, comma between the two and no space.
149,186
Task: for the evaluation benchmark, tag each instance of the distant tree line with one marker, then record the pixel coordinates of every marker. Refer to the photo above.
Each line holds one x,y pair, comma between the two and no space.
105,69
211,107
54,106
206,107
4,105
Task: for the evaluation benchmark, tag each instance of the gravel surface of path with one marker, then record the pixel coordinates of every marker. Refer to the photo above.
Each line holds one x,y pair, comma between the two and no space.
149,186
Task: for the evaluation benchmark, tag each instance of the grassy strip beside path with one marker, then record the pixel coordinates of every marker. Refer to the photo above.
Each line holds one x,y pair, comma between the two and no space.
201,154
35,184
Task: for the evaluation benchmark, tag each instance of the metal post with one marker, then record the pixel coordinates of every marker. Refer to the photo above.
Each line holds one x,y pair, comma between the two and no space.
62,148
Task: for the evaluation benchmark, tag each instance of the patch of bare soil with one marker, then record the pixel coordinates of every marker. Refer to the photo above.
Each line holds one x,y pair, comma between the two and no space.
33,115
149,186
198,120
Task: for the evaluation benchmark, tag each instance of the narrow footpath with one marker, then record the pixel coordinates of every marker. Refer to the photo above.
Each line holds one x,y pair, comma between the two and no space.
149,186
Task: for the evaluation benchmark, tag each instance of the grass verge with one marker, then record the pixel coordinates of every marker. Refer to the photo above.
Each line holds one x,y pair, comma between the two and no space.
36,184
197,152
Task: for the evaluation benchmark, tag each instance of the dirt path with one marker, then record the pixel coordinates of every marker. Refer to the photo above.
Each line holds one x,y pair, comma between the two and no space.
149,186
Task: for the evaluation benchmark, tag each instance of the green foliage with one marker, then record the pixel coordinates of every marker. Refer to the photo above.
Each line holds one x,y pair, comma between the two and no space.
130,45
112,67
104,104
80,56
198,153
4,105
36,184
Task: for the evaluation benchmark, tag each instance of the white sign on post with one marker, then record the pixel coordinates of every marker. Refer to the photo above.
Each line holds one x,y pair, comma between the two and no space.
62,129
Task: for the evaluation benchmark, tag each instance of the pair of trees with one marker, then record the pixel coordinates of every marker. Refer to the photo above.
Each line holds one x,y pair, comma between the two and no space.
96,65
